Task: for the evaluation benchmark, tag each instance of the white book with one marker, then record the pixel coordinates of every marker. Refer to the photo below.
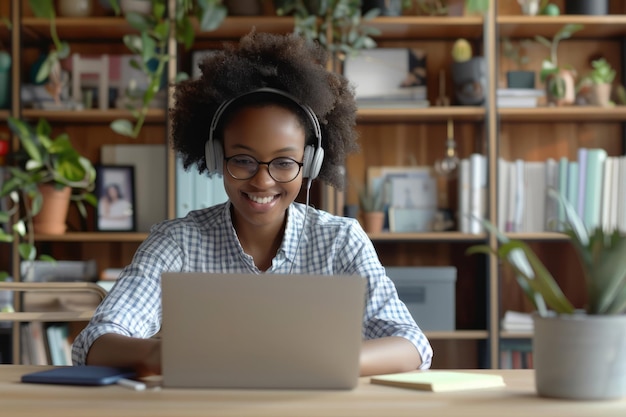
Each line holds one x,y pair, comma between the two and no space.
511,194
535,191
614,192
464,196
621,195
478,192
503,178
520,189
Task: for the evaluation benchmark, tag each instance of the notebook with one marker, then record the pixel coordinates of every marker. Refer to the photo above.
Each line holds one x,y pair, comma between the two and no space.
261,331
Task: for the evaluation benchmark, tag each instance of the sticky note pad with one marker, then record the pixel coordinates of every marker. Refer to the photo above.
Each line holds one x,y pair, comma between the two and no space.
440,381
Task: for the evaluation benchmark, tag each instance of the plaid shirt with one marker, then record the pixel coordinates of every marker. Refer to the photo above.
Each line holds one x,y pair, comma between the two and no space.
206,241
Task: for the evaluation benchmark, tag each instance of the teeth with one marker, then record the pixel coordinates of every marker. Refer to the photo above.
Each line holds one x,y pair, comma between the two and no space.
261,200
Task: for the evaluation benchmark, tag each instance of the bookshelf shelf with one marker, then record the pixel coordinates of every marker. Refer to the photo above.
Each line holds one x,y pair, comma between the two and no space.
93,237
542,236
610,26
568,114
516,335
428,114
91,115
401,27
427,237
72,29
458,335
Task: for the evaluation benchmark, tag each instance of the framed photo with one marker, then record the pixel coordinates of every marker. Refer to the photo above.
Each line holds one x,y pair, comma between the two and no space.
115,189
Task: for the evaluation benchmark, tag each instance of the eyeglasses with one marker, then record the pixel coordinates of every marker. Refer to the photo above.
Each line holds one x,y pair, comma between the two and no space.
244,167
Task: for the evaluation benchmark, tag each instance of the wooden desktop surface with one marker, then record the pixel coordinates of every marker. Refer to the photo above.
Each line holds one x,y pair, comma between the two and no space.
518,398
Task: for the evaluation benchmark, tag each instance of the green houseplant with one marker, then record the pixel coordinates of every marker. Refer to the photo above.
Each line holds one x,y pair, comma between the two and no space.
559,81
600,79
337,25
372,205
150,45
44,161
574,349
519,76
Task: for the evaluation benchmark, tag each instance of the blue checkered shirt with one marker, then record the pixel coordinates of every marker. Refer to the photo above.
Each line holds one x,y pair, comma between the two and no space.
206,241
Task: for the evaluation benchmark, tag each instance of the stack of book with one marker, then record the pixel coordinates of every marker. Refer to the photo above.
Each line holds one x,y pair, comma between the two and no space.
518,97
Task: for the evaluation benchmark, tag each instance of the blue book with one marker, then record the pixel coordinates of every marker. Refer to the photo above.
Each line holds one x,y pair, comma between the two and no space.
594,175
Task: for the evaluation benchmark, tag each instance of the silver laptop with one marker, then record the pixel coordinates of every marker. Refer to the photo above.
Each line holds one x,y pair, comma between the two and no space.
261,331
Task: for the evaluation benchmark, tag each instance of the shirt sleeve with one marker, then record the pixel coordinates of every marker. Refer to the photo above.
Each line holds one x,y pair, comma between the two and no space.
385,314
133,306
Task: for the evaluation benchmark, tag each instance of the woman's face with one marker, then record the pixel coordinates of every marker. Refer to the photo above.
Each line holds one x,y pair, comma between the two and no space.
264,133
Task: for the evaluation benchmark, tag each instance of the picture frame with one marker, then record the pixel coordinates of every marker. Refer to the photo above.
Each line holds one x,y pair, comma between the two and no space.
115,190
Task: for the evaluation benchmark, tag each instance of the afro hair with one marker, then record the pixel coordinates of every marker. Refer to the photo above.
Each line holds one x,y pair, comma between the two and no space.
284,62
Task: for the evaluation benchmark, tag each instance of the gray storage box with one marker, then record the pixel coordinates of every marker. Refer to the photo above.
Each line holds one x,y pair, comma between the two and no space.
429,294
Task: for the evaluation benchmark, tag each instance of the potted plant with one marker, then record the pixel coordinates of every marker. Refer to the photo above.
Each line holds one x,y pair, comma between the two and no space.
578,353
337,25
154,26
559,81
601,81
373,208
514,52
448,7
45,165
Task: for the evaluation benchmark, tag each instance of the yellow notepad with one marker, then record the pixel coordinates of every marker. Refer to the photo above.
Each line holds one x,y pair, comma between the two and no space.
440,381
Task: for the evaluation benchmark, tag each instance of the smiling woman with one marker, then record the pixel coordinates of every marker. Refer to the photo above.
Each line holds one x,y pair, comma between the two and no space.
277,119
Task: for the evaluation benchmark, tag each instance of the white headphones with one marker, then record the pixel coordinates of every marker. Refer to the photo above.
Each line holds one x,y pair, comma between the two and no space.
313,156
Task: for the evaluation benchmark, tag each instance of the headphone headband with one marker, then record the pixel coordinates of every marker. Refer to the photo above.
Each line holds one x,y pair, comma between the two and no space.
307,110
314,155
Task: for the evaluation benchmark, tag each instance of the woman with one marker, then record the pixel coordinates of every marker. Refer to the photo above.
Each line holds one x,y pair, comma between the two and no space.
277,117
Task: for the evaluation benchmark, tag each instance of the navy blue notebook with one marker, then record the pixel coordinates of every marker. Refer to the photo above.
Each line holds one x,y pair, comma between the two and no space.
79,375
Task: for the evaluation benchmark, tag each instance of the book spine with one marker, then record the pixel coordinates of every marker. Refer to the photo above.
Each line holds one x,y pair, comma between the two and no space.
593,187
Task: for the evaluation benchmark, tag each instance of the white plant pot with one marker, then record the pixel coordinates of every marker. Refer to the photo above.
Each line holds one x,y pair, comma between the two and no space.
580,357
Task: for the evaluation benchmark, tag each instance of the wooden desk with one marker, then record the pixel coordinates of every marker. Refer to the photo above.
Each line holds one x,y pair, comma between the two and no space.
517,399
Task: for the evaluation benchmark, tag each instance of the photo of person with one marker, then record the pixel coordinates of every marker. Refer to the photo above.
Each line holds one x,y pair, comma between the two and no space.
115,198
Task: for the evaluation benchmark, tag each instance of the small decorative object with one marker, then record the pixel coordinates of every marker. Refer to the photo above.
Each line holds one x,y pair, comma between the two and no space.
514,52
115,189
530,7
372,206
74,8
450,162
559,82
577,353
468,74
587,7
98,66
601,78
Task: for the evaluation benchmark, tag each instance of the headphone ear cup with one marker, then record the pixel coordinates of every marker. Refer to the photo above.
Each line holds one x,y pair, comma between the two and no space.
307,161
214,156
316,164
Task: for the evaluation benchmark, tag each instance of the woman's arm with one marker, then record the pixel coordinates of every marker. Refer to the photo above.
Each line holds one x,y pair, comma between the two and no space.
388,355
143,355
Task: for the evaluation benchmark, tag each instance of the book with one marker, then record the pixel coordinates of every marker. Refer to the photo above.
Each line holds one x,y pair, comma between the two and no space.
440,381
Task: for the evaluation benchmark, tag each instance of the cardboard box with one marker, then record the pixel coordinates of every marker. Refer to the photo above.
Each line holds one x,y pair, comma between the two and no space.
429,294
